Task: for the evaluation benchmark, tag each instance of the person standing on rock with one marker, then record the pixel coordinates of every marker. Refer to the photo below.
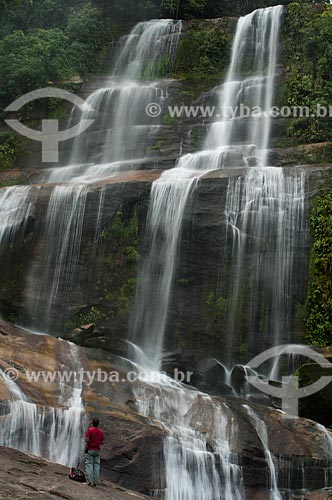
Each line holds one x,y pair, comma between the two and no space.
94,437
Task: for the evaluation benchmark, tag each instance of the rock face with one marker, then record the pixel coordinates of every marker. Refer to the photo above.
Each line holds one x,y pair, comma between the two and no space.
133,455
24,476
103,280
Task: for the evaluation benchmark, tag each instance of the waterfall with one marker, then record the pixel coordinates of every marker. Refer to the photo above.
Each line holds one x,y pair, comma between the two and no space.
50,280
69,422
254,50
15,209
150,45
101,207
120,107
19,429
168,198
190,469
199,462
263,437
328,461
265,218
52,433
262,206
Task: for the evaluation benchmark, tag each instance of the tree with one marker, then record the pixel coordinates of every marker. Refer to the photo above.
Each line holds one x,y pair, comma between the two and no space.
85,24
182,9
29,61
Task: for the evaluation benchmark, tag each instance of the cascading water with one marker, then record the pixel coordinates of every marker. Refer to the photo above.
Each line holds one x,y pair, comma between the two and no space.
52,278
265,216
265,207
66,432
99,218
52,433
55,433
199,462
263,437
120,107
202,434
254,49
14,211
18,429
328,464
188,466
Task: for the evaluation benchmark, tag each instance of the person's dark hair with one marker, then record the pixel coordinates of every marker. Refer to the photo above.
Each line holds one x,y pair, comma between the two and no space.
95,422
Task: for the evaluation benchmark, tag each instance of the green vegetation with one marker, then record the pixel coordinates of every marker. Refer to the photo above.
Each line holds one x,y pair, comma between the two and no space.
307,38
119,280
38,53
187,9
169,120
204,51
319,299
12,182
312,154
94,315
10,145
184,9
114,279
158,145
300,317
119,229
119,283
157,69
127,291
44,41
218,306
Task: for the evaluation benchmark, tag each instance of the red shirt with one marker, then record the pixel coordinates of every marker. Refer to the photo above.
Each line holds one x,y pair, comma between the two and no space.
96,437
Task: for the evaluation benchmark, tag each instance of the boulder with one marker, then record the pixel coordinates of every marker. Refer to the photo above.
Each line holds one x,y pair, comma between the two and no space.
317,406
319,495
87,328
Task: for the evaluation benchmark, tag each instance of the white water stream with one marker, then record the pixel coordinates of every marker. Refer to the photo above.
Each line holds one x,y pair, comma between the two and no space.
54,433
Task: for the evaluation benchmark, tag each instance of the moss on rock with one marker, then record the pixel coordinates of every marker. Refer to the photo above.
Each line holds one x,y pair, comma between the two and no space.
204,49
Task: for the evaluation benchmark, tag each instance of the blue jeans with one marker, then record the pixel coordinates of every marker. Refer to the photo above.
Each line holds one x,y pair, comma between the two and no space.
92,466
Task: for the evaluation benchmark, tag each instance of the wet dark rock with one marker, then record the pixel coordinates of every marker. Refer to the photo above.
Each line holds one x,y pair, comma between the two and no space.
210,376
195,328
317,406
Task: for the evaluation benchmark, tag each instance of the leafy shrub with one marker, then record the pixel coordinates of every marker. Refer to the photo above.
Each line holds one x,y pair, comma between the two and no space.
10,145
30,61
307,37
202,52
94,315
319,299
85,25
